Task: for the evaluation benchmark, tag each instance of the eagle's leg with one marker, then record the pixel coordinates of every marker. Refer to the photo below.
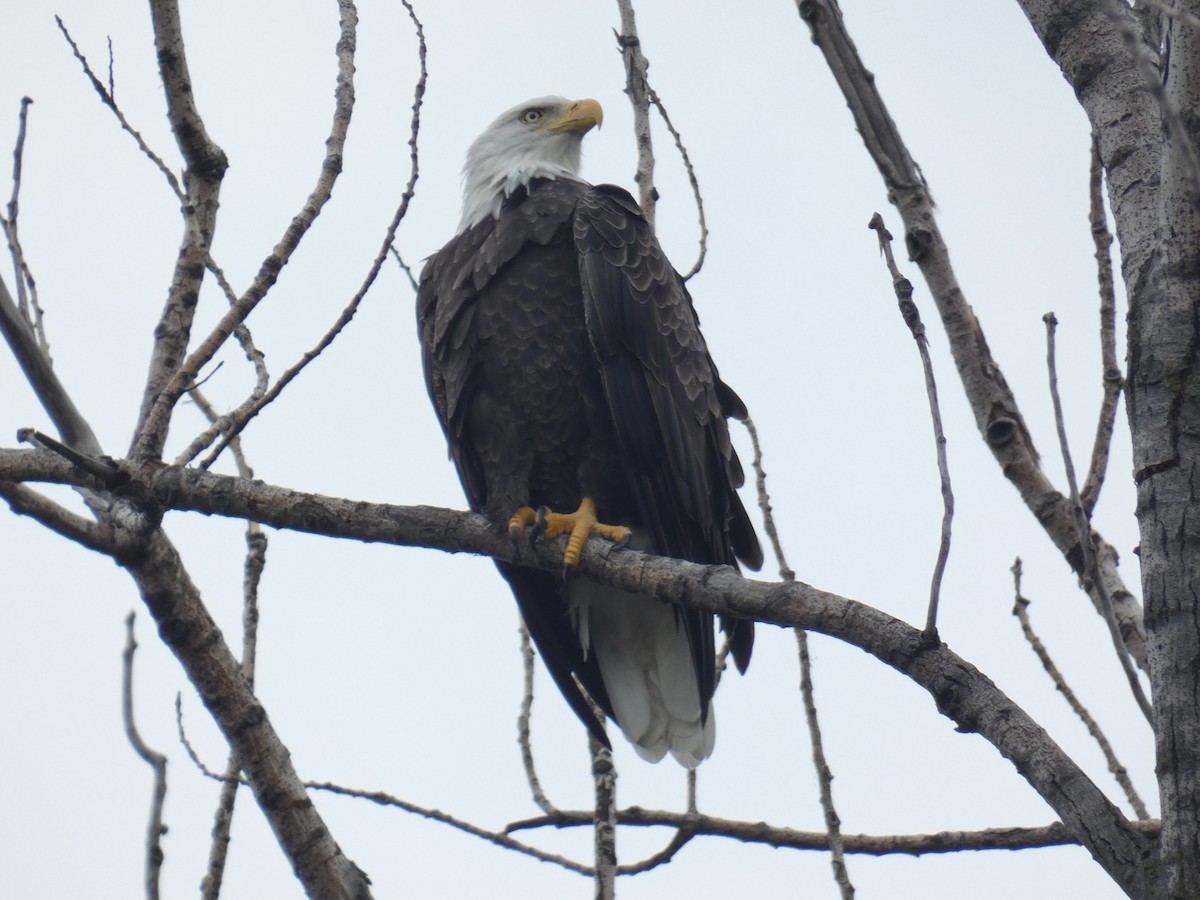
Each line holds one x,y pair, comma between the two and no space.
580,525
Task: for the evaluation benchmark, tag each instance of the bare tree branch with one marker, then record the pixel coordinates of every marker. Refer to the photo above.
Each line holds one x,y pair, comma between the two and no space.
1021,611
27,298
523,734
205,166
678,841
960,691
692,180
604,819
1017,838
639,98
256,559
833,822
192,635
996,412
25,501
494,837
170,373
108,97
219,424
39,372
157,761
1113,379
764,504
247,411
912,318
1085,531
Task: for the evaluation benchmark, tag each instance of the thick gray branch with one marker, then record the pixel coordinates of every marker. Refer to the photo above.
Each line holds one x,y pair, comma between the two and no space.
159,403
995,408
960,691
205,168
1151,183
70,423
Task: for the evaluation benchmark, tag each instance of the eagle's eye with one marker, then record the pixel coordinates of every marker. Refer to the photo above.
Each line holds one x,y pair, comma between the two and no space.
530,116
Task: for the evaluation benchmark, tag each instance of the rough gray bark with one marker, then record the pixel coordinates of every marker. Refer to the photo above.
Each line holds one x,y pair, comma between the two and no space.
1151,181
206,165
960,691
186,627
995,408
1164,412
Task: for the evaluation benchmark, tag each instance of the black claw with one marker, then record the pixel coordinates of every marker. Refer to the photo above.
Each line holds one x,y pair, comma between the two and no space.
539,525
623,542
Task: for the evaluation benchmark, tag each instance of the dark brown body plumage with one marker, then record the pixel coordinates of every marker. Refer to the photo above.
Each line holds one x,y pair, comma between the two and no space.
565,360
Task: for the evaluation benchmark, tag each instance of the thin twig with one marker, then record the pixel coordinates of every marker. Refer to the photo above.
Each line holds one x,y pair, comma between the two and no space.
663,856
112,81
833,822
240,417
187,744
992,402
242,332
691,174
172,374
256,557
496,837
108,97
221,424
523,733
764,503
638,91
1085,530
256,551
405,268
1013,838
912,318
157,761
1120,773
1113,379
27,298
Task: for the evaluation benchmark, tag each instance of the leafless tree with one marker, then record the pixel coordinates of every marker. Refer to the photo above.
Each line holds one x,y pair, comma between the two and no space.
1134,70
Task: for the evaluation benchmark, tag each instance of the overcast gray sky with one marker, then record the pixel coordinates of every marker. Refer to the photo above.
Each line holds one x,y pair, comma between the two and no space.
397,669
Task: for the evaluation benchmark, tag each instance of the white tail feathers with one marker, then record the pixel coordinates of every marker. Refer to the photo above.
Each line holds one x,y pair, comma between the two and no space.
646,663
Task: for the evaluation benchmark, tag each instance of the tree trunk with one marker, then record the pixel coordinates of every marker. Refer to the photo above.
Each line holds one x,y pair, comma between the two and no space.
1164,415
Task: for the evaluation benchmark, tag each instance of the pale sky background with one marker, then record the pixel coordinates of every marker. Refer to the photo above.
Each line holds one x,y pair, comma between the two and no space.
396,669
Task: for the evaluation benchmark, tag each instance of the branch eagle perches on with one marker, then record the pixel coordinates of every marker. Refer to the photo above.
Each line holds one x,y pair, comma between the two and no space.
960,691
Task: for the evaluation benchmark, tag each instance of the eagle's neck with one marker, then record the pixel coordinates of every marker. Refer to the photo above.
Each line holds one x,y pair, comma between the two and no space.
495,168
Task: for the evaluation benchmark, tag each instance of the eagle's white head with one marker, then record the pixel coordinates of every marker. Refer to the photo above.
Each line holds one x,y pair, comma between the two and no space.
538,139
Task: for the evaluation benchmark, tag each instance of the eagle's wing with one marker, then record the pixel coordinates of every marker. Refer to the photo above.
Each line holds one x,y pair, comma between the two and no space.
447,300
667,403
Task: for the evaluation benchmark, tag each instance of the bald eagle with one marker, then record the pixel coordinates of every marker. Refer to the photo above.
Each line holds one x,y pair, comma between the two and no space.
566,365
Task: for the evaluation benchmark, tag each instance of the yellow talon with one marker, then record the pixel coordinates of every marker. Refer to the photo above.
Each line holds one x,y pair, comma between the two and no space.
521,519
581,525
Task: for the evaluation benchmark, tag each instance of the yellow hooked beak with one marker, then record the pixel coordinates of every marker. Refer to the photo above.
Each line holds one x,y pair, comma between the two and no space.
579,117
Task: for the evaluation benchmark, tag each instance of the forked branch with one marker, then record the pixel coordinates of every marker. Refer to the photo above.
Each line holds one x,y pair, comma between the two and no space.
996,412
